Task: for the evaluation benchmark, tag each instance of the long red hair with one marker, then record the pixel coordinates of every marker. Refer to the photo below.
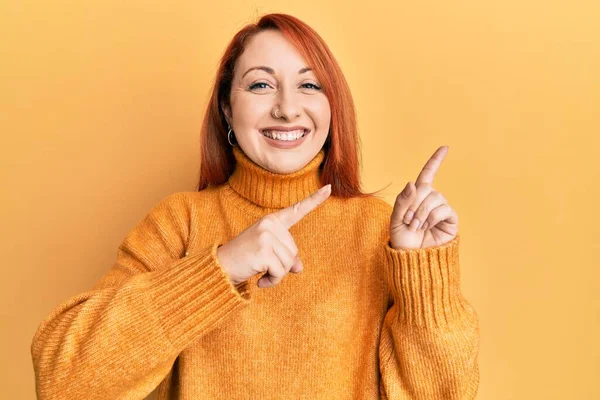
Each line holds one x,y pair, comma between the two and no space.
342,148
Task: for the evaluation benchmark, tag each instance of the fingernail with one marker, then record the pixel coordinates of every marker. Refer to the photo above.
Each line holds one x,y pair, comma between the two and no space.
414,224
408,217
325,188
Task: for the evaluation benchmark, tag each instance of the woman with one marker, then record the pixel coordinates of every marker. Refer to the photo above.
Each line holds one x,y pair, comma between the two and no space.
199,301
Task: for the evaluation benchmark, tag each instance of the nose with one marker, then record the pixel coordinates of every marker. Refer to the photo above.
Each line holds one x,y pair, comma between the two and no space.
288,105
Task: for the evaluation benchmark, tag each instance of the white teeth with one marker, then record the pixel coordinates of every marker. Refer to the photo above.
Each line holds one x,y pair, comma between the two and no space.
289,136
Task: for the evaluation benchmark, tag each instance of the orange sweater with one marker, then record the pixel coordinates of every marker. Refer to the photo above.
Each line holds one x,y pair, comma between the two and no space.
362,321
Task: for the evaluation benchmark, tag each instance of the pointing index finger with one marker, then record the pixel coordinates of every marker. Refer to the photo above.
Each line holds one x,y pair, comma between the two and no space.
431,167
294,213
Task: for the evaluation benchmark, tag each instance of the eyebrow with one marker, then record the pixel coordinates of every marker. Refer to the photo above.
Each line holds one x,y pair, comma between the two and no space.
272,71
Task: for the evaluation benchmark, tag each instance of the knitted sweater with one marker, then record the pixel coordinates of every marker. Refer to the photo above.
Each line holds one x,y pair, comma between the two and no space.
362,321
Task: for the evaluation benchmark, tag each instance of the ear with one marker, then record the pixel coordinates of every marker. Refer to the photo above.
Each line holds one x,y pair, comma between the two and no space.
227,111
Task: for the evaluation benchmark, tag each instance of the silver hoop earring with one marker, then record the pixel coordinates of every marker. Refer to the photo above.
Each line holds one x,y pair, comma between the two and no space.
229,136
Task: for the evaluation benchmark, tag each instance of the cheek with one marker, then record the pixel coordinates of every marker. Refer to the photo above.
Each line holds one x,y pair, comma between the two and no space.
249,110
320,112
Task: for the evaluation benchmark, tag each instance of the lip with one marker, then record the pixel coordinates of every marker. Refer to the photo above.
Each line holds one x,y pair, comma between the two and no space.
284,144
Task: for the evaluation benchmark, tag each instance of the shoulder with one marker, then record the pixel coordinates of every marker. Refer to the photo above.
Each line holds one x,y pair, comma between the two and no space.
189,203
172,205
162,233
171,212
188,199
175,199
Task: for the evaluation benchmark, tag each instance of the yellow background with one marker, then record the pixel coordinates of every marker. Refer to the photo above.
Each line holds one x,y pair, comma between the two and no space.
101,104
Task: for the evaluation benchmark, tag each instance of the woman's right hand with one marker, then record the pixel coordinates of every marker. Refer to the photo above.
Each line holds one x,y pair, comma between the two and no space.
267,246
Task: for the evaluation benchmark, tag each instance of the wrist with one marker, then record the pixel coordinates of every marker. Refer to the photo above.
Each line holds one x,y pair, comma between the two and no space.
222,261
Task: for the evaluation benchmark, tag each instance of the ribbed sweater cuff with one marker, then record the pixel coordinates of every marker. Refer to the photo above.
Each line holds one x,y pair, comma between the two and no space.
425,284
195,295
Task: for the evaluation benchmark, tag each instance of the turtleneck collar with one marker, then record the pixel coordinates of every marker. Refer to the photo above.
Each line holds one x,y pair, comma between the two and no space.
272,190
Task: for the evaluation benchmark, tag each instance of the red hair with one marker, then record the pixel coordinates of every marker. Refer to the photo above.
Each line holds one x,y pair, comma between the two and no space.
341,164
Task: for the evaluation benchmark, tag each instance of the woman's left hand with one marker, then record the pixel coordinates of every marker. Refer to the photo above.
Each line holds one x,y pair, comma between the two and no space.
422,217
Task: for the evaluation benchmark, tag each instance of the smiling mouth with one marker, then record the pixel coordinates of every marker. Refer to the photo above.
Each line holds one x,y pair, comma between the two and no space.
284,136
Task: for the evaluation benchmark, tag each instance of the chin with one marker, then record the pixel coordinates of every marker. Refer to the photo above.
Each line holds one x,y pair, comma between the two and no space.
286,163
284,167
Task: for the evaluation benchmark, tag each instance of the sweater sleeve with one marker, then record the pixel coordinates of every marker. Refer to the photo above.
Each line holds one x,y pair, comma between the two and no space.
121,338
430,335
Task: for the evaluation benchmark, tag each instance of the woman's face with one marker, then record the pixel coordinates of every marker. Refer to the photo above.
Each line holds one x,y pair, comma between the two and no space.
280,94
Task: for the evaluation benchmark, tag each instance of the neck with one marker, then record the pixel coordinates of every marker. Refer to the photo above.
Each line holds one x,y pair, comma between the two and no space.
273,190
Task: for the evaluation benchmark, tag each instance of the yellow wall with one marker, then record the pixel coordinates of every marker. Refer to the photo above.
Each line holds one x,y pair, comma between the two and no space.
101,104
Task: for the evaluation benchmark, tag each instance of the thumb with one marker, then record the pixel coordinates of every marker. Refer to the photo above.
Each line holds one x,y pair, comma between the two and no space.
403,201
298,267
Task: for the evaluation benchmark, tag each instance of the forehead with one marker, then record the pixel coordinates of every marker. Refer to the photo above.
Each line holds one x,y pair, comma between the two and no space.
270,48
